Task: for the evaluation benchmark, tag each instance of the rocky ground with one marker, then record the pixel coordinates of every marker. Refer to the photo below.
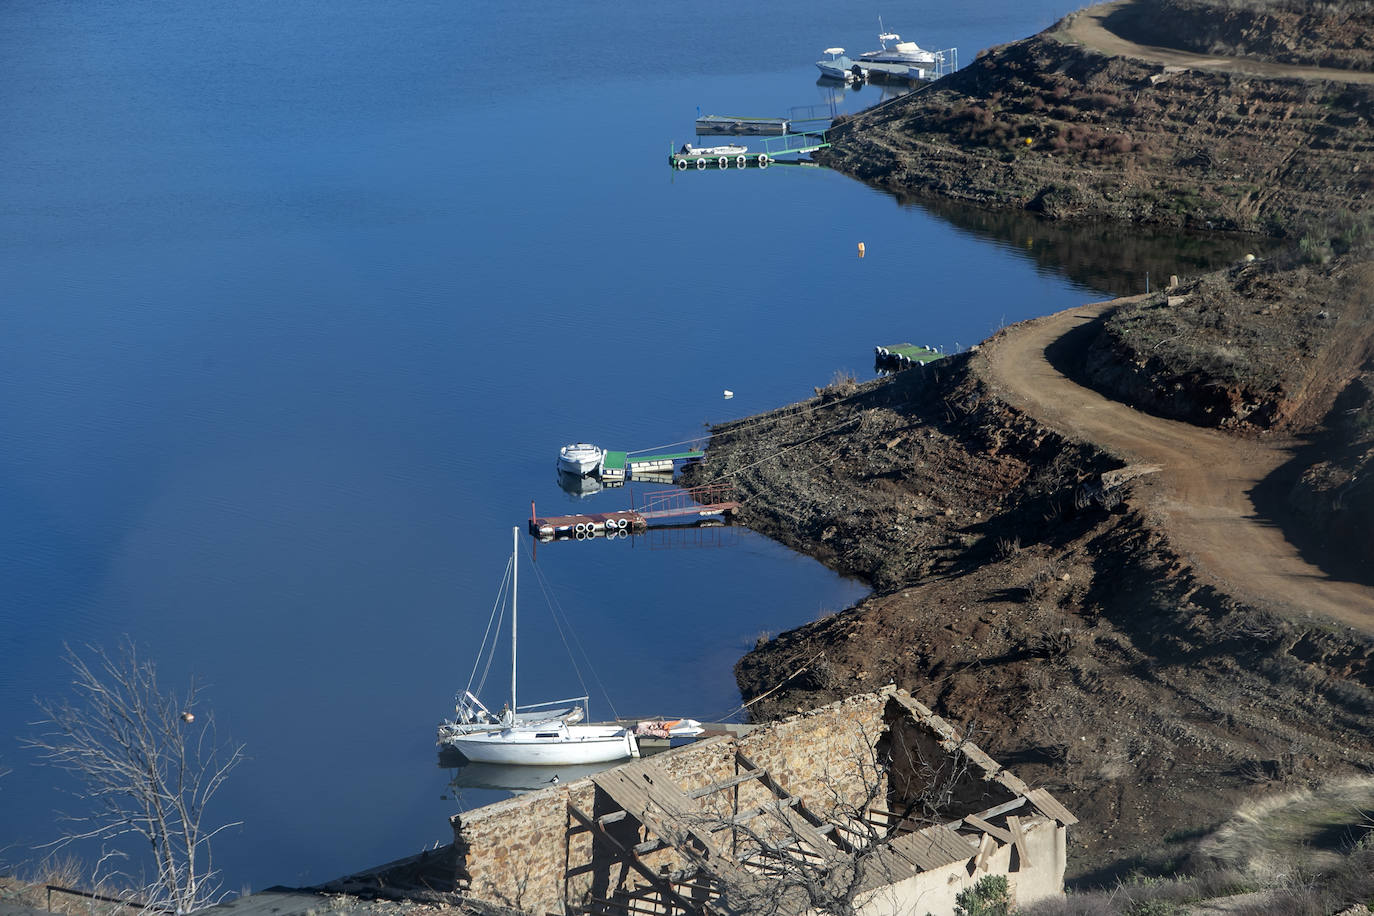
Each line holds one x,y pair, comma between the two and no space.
1129,549
1081,122
1032,586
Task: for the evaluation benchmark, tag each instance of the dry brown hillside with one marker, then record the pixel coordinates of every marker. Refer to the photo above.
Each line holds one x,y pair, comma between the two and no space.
1080,122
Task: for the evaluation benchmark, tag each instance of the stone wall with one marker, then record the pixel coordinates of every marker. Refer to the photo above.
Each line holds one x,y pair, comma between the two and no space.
530,852
518,852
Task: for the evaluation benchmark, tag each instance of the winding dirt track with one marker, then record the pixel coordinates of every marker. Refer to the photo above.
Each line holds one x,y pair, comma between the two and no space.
1205,478
1089,29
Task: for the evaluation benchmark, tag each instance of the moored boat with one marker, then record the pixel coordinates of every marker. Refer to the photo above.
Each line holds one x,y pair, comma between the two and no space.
525,735
726,149
580,458
839,67
554,744
724,156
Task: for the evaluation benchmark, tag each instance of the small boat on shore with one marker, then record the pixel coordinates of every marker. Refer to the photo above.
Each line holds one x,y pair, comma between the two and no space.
580,458
669,728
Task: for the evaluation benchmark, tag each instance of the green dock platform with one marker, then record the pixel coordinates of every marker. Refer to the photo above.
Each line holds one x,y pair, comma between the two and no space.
657,464
906,355
619,465
613,466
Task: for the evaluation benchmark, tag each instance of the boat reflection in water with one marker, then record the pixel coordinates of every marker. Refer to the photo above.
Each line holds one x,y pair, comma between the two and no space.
510,777
578,486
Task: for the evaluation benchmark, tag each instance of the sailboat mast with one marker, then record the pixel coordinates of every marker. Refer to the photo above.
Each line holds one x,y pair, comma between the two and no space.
514,593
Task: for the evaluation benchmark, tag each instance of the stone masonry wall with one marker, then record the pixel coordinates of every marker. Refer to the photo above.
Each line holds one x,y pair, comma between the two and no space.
518,852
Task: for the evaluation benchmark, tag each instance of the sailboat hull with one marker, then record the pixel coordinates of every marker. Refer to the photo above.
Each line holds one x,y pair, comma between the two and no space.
571,744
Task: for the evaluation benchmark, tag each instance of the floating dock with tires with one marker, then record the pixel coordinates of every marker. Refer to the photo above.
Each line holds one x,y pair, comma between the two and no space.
666,506
905,355
740,157
702,161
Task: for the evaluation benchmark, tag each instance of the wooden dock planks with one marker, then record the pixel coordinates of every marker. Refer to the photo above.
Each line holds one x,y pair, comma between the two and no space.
652,798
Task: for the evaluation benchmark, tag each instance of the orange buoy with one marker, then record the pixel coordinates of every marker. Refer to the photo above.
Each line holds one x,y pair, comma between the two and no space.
861,249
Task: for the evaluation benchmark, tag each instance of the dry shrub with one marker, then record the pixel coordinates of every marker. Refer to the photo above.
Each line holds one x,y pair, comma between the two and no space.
1099,101
1122,144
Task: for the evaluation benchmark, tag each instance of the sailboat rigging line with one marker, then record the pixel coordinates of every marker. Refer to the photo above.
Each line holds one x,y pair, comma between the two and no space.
498,614
556,610
725,717
657,448
823,433
757,421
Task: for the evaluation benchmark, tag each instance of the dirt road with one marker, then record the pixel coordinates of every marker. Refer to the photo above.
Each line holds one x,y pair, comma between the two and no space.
1206,477
1089,29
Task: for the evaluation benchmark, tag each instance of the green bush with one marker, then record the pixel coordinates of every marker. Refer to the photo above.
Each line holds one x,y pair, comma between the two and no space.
991,896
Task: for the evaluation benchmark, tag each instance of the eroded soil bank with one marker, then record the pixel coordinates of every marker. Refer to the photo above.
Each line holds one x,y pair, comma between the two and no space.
1094,119
1029,586
1155,640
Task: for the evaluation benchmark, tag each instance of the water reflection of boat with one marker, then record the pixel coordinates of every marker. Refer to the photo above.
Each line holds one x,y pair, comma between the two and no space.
577,485
511,777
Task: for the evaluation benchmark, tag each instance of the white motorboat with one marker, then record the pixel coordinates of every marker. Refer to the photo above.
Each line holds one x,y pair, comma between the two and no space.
906,60
524,735
839,67
580,458
902,53
728,149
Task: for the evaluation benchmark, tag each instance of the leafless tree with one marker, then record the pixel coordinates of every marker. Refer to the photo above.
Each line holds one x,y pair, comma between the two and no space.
149,762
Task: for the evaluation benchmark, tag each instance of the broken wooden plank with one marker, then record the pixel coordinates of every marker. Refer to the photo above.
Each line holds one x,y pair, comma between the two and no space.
628,857
1018,836
723,784
1049,806
986,847
974,820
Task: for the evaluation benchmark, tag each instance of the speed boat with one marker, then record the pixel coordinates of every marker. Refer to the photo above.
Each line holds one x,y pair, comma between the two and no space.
839,67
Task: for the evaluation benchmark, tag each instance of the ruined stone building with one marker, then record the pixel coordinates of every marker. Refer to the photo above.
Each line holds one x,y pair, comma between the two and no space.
873,802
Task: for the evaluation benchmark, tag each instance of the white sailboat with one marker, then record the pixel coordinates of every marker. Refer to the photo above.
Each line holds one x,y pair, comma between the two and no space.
526,736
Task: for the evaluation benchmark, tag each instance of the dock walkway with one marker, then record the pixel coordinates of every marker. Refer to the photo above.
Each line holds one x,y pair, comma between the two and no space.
702,502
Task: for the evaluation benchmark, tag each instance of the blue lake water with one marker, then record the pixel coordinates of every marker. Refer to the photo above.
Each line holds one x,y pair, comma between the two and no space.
297,302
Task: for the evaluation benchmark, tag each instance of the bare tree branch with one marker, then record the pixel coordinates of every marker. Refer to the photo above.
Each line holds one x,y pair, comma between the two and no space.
149,763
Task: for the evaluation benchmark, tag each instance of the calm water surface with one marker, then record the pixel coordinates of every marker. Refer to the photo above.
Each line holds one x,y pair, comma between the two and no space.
297,302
